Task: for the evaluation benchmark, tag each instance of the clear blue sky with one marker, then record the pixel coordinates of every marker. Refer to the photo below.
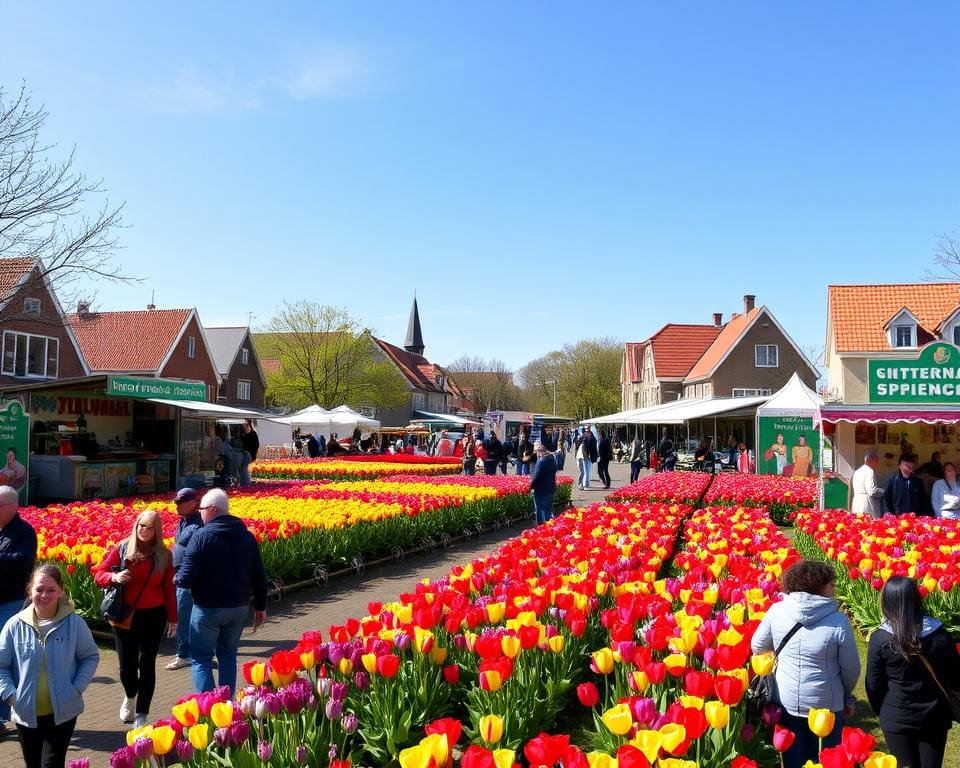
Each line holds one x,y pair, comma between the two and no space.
538,172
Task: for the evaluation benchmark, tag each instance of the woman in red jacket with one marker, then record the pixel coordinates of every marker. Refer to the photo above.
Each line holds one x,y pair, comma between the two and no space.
142,564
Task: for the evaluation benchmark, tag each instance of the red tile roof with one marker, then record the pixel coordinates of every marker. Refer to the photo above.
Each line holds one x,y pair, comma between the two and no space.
415,368
12,271
858,313
127,341
723,343
677,347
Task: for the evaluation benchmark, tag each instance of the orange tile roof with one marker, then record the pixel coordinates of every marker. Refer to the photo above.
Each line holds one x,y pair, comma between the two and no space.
12,271
859,312
676,348
127,341
411,365
725,340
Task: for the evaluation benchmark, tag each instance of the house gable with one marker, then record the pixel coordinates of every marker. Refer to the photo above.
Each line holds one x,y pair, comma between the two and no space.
179,363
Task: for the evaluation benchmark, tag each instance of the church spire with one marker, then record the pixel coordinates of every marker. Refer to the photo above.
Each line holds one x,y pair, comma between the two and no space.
414,342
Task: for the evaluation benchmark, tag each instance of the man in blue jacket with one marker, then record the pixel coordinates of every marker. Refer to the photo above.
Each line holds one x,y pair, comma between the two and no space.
188,508
222,568
543,483
904,492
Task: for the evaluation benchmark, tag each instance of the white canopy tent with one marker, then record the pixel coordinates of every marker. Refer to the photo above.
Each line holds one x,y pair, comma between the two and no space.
344,420
309,418
680,411
794,399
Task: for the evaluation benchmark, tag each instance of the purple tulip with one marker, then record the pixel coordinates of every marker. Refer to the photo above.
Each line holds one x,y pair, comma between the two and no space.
361,680
123,758
338,691
627,649
143,748
771,713
80,762
184,751
239,732
221,737
321,654
294,697
312,702
301,754
265,750
223,693
747,732
349,723
332,752
659,722
644,710
401,641
459,642
355,653
336,653
333,709
323,687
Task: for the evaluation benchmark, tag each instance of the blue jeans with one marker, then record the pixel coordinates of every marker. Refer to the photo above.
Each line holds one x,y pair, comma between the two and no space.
543,506
7,612
184,610
635,470
522,469
806,745
215,631
583,479
470,467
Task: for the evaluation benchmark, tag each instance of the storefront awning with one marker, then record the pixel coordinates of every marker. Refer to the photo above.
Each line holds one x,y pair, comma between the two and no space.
445,418
202,408
883,414
680,411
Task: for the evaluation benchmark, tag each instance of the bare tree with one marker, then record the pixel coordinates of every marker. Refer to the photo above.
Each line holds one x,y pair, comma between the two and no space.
42,204
946,257
488,383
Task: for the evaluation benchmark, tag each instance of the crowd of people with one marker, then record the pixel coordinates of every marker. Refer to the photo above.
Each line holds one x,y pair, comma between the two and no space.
199,593
931,490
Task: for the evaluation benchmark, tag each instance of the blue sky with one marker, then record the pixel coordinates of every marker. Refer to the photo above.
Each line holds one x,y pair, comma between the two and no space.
537,172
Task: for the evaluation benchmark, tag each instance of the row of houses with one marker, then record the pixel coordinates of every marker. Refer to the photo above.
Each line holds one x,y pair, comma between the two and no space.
41,342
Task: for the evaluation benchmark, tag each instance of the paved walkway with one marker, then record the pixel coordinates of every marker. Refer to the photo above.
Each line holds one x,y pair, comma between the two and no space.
99,730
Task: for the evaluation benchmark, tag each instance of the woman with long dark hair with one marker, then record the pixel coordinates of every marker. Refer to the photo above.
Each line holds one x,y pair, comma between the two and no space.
143,564
905,694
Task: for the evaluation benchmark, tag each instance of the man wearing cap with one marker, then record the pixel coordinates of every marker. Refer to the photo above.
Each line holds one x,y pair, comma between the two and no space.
188,507
543,483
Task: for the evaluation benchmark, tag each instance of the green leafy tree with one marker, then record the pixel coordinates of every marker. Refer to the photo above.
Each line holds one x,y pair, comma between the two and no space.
320,354
586,375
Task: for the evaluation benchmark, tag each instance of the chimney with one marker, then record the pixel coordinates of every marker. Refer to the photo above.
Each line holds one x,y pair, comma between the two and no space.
83,308
151,307
717,319
748,301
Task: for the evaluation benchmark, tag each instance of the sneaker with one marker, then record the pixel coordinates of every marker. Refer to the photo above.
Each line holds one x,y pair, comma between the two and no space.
127,709
139,721
178,663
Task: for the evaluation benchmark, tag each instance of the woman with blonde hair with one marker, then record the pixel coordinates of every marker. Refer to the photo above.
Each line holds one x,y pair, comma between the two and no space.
143,565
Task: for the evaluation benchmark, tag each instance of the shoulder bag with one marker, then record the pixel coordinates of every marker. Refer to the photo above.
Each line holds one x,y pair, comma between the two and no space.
952,697
760,691
113,608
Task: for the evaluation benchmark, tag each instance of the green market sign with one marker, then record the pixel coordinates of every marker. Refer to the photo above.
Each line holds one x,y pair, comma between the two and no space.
934,377
166,389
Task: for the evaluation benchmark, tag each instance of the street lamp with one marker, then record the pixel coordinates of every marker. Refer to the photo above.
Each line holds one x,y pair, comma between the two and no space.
554,382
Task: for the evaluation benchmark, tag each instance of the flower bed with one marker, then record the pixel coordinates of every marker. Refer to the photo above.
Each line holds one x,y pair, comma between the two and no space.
781,495
680,487
488,663
300,526
867,551
352,467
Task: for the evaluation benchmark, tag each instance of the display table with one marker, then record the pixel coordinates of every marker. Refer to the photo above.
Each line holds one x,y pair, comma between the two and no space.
67,478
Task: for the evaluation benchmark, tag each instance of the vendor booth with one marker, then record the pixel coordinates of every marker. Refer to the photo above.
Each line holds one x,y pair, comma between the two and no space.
103,436
787,443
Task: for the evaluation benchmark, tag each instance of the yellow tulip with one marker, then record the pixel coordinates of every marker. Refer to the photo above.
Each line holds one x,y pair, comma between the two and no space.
618,719
187,713
345,666
676,762
199,735
415,757
601,760
672,735
491,728
163,738
308,659
369,661
439,747
729,636
648,742
763,663
495,612
641,681
603,660
686,642
504,758
811,764
510,645
691,702
138,733
556,643
675,661
880,760
258,673
438,655
422,639
222,713
821,721
736,613
717,714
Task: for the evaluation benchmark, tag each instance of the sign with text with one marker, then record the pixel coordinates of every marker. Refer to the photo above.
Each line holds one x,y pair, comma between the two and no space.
14,453
787,445
933,377
166,389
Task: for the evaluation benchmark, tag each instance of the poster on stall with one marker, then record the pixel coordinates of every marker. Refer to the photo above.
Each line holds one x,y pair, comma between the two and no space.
787,445
14,448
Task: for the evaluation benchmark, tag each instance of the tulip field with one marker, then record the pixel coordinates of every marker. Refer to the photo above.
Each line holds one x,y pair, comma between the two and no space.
300,525
614,636
352,467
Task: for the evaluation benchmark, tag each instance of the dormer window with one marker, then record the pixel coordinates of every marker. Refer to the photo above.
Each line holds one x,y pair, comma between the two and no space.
902,330
956,336
905,336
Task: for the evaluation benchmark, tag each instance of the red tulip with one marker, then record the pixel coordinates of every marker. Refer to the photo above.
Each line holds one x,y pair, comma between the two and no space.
835,757
449,726
388,665
630,757
742,761
545,749
477,757
728,689
698,683
451,674
782,738
588,694
858,744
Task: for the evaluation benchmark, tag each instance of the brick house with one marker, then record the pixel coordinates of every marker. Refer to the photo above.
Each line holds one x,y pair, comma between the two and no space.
242,380
167,343
653,370
37,343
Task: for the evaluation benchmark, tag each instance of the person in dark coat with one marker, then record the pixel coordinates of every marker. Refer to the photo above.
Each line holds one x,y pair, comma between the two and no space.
494,453
313,447
904,492
543,483
913,712
604,456
665,453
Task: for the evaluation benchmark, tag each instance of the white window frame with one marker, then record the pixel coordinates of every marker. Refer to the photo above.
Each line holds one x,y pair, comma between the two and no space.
32,306
748,392
244,355
191,347
11,345
419,401
243,389
908,329
765,363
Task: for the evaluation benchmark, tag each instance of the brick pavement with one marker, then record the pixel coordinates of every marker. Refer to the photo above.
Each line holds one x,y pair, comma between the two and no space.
99,730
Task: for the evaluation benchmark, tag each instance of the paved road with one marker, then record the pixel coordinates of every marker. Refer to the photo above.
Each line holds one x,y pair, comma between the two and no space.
99,730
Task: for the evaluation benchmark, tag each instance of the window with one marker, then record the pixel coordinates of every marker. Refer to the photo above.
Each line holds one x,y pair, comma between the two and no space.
766,356
31,307
31,356
904,336
244,355
751,392
191,347
956,335
243,389
419,400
